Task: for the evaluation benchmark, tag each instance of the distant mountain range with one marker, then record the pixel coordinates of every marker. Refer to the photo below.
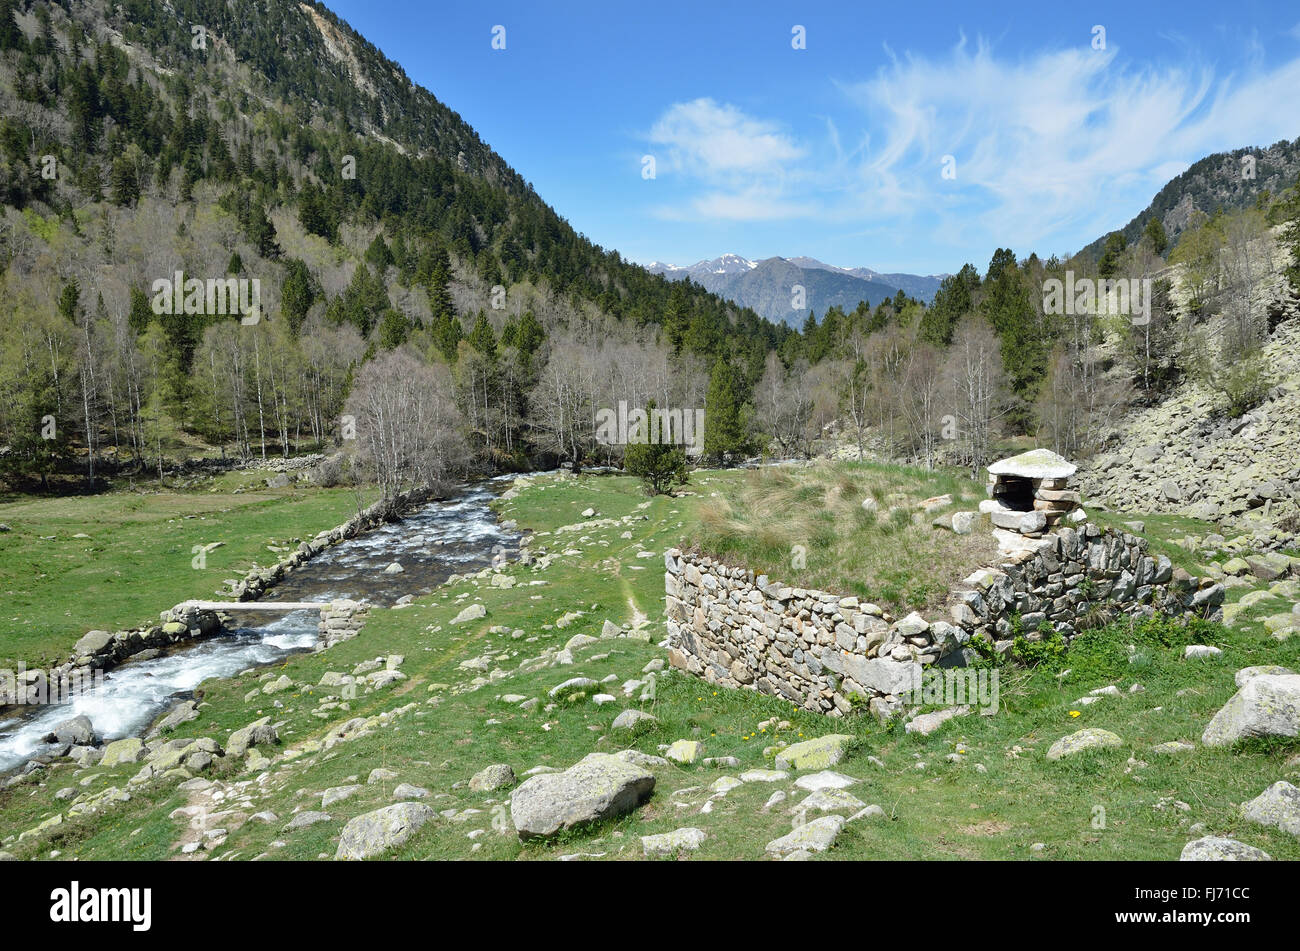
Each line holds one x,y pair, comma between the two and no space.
767,286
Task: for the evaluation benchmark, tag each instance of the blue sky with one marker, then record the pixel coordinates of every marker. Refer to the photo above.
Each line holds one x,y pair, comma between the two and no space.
838,150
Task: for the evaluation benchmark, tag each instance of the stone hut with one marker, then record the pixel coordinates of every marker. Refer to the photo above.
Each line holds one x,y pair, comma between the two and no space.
827,652
1031,494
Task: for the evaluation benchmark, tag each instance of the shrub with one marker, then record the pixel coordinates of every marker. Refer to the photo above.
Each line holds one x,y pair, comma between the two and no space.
1048,649
1240,383
660,468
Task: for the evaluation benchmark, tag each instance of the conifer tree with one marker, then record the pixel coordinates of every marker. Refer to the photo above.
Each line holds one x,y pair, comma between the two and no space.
724,435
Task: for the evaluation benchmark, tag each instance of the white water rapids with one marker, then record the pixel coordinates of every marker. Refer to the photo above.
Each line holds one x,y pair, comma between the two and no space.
457,535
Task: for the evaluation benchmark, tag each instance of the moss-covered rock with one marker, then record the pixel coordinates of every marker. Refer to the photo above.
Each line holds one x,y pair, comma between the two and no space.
1090,738
820,753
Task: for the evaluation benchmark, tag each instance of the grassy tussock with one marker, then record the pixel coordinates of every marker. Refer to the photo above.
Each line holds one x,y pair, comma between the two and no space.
806,526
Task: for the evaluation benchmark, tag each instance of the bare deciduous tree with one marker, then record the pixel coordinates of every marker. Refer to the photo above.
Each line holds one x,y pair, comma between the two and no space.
974,372
408,426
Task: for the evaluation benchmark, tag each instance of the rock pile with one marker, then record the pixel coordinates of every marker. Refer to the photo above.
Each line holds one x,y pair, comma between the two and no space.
340,621
1185,457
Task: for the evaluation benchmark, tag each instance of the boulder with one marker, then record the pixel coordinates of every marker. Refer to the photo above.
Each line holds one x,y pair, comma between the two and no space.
831,800
127,750
963,523
764,776
496,776
374,833
633,720
671,843
826,779
256,733
183,712
1265,670
1089,738
597,787
1267,705
684,751
281,683
408,791
76,731
1213,848
92,643
820,753
815,836
1268,566
337,794
1278,805
471,613
927,723
1235,566
571,686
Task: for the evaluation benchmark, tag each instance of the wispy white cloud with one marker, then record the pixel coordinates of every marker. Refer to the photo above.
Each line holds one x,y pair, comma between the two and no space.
746,166
1050,150
1047,147
719,142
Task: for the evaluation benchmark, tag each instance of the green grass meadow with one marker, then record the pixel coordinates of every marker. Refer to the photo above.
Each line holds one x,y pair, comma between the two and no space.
1110,804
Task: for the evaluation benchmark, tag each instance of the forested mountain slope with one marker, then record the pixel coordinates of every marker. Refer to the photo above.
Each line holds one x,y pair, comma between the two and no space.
264,140
398,261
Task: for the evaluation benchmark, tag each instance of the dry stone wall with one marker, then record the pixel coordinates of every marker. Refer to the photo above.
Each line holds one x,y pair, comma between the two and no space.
824,651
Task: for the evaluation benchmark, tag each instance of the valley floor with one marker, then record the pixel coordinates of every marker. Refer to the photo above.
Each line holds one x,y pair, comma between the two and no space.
477,692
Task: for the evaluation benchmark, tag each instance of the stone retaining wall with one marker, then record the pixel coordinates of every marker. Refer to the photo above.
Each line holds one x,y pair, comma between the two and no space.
823,651
340,621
